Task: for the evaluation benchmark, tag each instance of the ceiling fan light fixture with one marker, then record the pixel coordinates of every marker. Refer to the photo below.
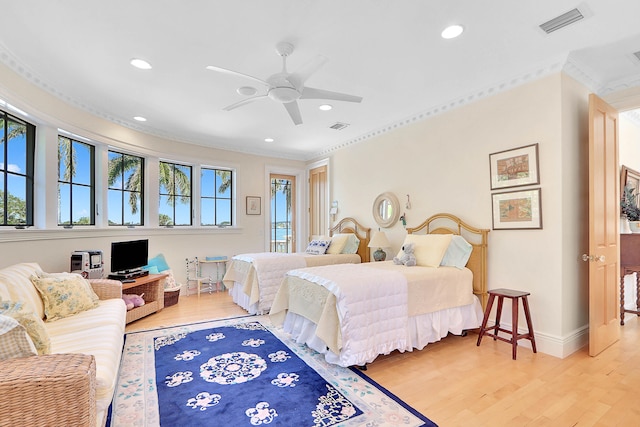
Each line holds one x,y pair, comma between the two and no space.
140,64
452,31
325,107
284,94
247,90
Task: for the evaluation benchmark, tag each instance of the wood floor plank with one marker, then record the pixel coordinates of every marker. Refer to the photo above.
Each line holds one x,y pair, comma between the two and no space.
456,383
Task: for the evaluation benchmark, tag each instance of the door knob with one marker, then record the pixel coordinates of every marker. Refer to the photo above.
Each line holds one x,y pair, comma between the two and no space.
595,258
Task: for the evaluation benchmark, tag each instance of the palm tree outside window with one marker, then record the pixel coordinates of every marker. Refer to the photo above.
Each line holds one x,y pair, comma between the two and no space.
126,194
76,185
175,194
216,190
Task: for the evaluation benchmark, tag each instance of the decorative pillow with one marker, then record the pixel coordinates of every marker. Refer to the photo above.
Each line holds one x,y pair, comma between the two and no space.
152,270
32,324
169,281
338,242
64,296
14,340
317,247
457,253
351,247
157,261
428,248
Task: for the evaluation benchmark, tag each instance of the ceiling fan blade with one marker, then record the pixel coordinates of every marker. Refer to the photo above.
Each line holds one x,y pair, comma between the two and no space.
312,93
243,102
235,73
294,112
302,74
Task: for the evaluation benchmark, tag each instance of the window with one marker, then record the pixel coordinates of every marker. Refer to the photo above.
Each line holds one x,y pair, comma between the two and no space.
126,183
17,148
216,189
175,194
283,213
75,182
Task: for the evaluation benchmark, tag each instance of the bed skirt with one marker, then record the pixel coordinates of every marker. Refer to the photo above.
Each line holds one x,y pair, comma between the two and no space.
421,330
242,299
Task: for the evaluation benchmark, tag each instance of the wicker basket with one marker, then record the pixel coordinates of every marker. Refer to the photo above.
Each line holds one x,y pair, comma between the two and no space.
171,297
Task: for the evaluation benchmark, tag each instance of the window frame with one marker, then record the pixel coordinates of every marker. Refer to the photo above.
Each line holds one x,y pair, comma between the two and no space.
125,191
28,175
215,197
72,184
175,195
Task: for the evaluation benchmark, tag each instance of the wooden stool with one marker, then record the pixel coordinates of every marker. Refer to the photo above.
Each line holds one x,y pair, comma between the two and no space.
514,296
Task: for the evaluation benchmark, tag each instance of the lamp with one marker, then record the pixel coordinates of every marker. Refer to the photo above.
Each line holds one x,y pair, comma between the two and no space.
379,241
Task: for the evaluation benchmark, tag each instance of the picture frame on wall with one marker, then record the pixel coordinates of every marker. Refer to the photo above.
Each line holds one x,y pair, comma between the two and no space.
517,210
630,178
515,167
253,205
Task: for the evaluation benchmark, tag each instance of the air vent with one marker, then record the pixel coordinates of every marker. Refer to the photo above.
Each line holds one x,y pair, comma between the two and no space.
637,54
562,21
338,126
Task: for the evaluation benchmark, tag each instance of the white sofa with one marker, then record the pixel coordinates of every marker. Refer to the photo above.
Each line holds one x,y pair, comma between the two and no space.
97,333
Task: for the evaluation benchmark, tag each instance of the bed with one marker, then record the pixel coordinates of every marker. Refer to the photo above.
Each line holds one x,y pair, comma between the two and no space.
353,313
253,279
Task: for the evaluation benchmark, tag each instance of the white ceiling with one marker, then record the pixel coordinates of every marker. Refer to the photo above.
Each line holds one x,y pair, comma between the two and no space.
389,52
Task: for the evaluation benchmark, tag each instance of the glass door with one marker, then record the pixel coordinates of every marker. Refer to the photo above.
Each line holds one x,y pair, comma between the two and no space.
282,232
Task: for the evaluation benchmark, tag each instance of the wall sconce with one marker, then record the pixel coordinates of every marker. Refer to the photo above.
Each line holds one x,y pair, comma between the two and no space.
334,210
379,241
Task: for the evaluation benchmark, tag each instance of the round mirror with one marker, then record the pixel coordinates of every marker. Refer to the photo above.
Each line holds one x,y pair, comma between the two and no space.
386,210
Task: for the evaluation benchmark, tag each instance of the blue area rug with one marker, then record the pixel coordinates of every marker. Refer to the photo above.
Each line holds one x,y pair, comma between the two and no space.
243,372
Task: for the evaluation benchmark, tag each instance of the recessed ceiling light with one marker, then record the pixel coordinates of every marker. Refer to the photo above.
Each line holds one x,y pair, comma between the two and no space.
140,119
247,90
452,31
325,107
268,140
140,63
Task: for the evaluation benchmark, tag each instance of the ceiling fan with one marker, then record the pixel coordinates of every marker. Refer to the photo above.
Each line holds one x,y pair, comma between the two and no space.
286,87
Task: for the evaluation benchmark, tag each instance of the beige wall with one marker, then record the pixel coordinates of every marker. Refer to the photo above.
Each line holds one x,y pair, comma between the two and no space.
443,164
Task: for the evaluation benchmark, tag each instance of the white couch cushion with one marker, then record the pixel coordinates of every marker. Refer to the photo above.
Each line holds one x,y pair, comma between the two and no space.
100,332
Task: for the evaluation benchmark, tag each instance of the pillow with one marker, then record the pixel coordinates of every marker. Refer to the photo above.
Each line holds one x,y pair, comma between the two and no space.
338,242
429,249
14,340
351,247
153,269
169,281
157,261
317,247
65,295
32,324
457,253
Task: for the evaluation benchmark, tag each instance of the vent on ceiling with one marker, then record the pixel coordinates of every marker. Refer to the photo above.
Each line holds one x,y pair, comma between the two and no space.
338,126
562,21
637,54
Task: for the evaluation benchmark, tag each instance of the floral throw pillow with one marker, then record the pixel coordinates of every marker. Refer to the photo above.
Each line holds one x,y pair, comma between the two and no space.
33,325
65,295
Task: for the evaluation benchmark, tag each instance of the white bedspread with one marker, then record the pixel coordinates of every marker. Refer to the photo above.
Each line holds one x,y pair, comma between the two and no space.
372,307
270,268
361,311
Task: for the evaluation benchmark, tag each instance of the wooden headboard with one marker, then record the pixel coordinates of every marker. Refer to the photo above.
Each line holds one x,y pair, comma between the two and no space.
444,223
350,225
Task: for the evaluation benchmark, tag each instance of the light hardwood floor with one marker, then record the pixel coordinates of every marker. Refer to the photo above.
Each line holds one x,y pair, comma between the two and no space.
456,383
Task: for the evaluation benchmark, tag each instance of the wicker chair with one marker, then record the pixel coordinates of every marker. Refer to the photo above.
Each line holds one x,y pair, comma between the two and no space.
51,390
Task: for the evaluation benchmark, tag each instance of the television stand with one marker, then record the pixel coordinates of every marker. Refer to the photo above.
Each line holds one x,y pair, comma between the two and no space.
151,285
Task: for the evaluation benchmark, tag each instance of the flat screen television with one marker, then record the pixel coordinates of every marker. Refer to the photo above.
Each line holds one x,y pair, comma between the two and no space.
129,256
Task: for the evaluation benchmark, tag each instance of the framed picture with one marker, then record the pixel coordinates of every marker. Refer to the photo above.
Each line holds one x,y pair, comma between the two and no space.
630,178
253,205
515,167
517,210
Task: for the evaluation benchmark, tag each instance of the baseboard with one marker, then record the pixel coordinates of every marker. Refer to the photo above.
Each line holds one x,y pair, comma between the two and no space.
554,345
